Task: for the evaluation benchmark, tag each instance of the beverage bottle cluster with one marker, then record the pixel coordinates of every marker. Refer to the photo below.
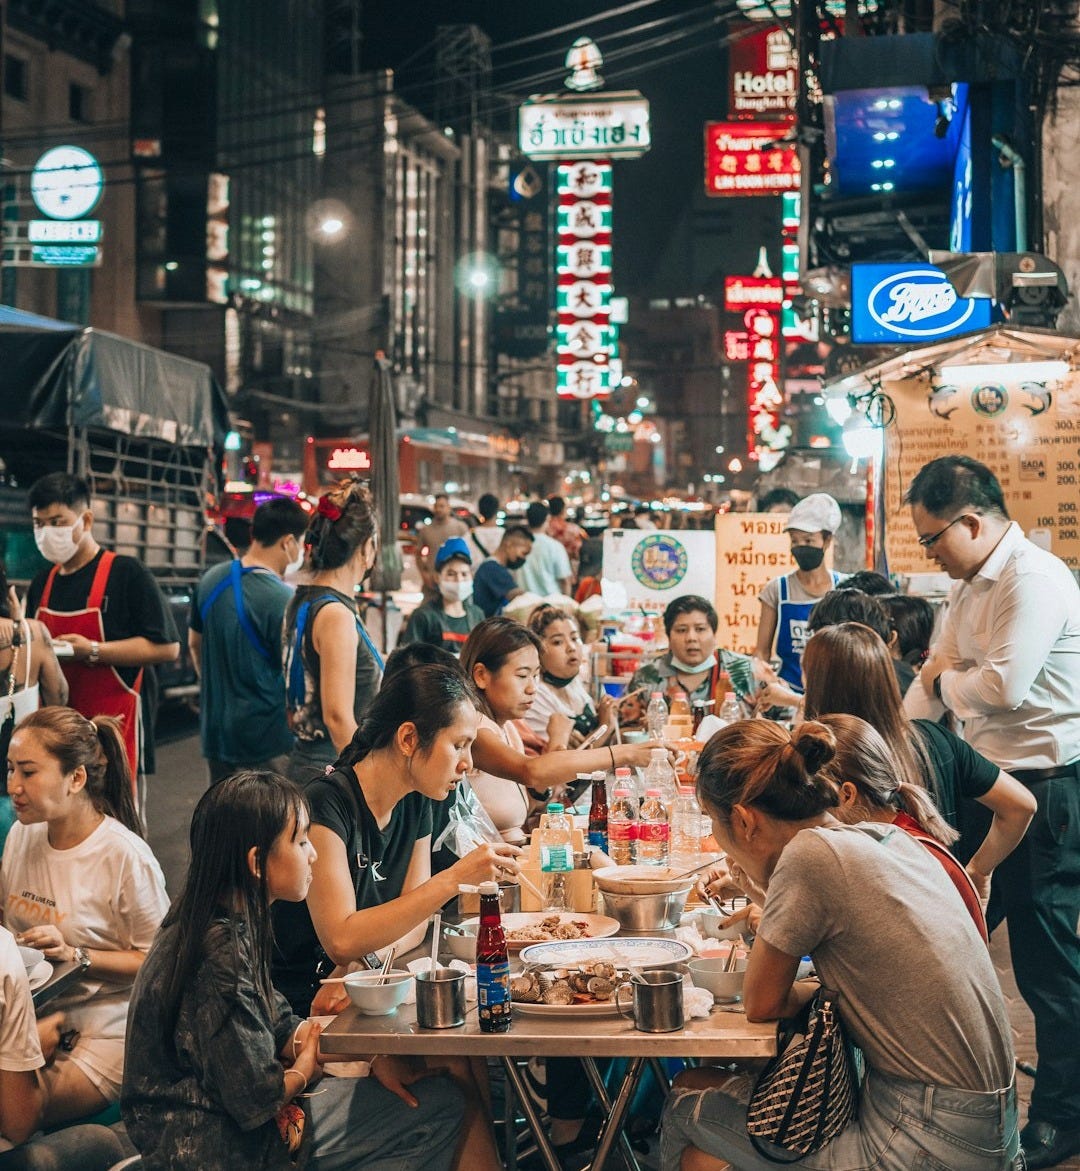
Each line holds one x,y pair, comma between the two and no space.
556,857
492,964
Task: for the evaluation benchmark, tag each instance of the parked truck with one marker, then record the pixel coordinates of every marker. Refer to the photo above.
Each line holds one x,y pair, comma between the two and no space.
144,427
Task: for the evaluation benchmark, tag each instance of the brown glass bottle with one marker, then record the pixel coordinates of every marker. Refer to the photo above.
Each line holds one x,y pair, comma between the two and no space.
492,964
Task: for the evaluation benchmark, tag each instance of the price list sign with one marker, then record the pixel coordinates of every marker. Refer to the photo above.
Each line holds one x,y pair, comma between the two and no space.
1027,433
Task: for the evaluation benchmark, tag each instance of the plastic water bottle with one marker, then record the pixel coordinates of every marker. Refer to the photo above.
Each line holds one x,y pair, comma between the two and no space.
556,857
656,716
625,779
654,831
661,776
623,827
730,710
685,830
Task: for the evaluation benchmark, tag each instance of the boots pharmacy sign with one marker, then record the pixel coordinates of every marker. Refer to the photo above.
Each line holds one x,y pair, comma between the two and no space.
762,75
608,125
584,341
910,302
749,158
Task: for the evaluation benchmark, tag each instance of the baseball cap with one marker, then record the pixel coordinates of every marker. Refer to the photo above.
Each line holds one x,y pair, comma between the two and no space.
818,513
451,548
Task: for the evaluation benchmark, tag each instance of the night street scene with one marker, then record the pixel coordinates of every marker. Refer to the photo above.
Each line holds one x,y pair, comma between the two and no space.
540,585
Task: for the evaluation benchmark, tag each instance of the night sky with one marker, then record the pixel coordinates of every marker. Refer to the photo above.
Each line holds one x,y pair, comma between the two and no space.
654,195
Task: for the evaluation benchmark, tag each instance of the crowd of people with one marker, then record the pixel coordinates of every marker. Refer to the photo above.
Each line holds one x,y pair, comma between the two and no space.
902,780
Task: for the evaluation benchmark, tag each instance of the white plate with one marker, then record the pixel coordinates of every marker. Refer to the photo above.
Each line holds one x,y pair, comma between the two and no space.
642,952
596,926
603,1008
39,975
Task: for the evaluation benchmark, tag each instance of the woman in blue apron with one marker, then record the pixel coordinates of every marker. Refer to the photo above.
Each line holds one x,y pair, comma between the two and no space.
786,601
332,668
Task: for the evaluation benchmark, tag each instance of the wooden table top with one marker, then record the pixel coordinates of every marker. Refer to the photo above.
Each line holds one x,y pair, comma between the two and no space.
722,1034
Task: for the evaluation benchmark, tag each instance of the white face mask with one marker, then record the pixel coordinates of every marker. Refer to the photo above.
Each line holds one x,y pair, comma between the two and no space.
456,591
57,543
686,669
298,564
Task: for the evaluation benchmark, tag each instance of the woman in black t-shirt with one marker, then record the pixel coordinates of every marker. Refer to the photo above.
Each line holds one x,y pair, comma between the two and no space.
847,670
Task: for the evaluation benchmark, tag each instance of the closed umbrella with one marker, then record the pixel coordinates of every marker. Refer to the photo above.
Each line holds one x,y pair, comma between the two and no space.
382,437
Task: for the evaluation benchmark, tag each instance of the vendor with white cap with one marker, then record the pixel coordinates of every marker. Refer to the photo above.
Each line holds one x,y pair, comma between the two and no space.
786,601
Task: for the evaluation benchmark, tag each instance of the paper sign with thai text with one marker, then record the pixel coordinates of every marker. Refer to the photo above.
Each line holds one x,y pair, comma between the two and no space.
751,549
1027,433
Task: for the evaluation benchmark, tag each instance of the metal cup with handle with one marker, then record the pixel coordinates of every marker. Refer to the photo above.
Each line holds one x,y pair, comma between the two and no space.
440,999
657,1003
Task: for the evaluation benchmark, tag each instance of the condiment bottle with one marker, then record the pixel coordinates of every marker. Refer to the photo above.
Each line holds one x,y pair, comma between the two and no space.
492,964
598,813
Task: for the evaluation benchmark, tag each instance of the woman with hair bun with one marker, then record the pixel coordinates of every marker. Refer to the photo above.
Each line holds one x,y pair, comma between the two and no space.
332,668
78,882
879,918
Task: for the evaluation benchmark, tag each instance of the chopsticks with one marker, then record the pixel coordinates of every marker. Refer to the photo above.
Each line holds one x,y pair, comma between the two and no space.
386,965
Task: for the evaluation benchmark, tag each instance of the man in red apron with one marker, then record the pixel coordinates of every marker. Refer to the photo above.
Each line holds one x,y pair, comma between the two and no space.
105,605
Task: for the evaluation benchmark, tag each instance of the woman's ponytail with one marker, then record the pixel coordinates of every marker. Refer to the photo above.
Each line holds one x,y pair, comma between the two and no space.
113,786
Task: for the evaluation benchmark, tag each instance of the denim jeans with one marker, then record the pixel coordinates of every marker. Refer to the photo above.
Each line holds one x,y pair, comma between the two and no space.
87,1147
356,1123
902,1126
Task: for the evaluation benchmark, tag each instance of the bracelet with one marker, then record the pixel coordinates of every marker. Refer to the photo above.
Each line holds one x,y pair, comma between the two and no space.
296,1038
611,753
95,653
303,1082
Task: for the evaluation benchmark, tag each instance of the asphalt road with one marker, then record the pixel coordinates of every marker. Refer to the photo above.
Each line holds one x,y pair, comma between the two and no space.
172,792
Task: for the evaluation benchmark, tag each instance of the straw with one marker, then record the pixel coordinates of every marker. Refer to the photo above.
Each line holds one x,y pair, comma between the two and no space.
436,939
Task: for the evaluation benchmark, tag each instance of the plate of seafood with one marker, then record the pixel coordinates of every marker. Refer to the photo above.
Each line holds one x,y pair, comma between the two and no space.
587,990
525,928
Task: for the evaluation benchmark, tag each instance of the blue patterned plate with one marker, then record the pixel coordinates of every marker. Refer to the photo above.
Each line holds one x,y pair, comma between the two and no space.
642,952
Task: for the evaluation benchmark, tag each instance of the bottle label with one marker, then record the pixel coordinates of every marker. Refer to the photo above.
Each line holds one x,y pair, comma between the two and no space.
493,996
556,858
622,831
598,838
654,831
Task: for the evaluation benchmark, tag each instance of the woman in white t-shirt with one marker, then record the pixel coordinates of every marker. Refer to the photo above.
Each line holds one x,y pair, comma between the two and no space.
562,712
78,882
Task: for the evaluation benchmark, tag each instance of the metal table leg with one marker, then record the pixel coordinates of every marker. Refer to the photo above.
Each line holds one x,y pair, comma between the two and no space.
616,1111
656,1064
543,1143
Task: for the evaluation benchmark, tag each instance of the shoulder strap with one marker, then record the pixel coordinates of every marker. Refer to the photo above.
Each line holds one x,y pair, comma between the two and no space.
26,641
295,689
476,541
233,579
101,580
783,587
43,601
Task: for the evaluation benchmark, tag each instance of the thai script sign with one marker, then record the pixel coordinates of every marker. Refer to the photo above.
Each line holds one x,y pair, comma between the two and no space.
614,125
745,158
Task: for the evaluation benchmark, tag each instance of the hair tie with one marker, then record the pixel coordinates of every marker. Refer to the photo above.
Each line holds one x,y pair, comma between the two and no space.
93,727
328,509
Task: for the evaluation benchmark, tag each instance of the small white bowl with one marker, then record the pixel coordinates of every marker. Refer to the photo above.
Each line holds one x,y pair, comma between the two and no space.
461,941
31,957
373,998
708,972
709,919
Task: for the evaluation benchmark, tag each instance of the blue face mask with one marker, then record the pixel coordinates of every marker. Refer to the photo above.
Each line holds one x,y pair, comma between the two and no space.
685,669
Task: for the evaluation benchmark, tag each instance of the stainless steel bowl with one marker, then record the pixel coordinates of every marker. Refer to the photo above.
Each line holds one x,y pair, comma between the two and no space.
651,912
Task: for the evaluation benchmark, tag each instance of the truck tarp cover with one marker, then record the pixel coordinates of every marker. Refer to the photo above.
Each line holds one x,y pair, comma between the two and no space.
54,375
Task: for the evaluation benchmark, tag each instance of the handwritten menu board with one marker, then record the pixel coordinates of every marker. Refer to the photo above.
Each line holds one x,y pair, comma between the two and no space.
1027,434
751,549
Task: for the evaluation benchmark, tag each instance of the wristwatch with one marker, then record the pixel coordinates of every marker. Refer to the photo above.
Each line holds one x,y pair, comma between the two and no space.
95,653
81,956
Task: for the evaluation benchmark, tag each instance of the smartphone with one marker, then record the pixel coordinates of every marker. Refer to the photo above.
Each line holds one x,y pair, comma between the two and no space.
373,962
591,739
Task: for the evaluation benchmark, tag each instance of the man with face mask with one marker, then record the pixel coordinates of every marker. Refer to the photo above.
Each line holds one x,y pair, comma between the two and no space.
786,601
105,605
235,641
494,582
447,620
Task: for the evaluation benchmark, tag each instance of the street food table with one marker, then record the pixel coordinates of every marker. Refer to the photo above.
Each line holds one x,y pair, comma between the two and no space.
723,1035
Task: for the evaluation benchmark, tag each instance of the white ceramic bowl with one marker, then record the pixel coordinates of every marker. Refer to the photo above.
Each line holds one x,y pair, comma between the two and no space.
709,973
373,998
31,957
709,920
461,941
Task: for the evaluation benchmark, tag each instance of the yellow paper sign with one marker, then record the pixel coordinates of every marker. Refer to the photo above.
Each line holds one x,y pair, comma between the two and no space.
751,549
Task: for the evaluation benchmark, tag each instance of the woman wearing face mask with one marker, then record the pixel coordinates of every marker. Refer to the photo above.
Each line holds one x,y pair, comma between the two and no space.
786,601
446,621
332,669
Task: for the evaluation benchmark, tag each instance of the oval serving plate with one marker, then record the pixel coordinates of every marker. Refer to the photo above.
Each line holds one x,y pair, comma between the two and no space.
596,926
641,951
597,1008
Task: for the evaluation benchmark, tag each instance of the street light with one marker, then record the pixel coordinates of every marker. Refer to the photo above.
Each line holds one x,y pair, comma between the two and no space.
735,465
331,227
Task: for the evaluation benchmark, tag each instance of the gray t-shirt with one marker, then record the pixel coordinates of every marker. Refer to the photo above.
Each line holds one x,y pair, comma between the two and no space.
770,595
889,932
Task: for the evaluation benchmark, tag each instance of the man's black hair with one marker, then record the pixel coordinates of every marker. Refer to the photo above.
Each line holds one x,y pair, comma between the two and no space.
277,518
60,488
556,505
875,584
955,482
517,531
690,604
850,606
536,514
488,506
777,496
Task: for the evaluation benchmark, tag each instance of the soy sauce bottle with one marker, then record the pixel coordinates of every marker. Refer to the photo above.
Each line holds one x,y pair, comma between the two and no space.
598,813
492,964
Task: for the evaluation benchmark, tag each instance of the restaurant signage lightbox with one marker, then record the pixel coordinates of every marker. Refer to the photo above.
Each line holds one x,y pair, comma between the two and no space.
762,75
910,302
745,292
743,158
609,125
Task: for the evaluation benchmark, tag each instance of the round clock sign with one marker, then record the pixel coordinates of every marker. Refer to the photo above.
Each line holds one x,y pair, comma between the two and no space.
66,183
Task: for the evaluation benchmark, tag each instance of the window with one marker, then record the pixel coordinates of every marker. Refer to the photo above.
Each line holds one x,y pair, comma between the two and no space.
78,103
16,77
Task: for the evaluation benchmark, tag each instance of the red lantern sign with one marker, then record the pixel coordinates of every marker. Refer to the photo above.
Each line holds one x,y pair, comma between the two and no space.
743,158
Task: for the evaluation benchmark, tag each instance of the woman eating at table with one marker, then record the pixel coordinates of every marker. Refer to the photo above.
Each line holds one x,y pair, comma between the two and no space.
218,1068
332,668
849,670
562,712
78,882
372,885
502,659
883,924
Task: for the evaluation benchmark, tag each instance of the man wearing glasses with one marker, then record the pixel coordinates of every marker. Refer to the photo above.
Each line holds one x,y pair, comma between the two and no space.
1007,663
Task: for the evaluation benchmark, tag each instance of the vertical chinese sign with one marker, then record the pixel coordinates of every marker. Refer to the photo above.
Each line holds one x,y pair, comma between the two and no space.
757,344
583,265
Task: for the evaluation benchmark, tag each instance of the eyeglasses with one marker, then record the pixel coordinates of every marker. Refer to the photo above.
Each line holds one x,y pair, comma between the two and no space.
932,540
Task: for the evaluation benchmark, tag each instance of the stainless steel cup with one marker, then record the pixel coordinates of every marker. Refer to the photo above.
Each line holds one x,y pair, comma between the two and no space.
440,999
657,1004
509,898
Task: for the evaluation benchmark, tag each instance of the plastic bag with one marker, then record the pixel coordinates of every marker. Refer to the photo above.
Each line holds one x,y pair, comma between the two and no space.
470,824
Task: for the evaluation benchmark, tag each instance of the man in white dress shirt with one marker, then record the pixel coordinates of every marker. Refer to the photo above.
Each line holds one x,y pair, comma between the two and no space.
1007,663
